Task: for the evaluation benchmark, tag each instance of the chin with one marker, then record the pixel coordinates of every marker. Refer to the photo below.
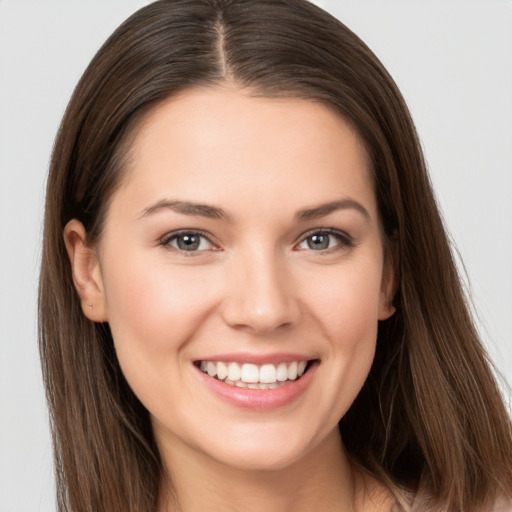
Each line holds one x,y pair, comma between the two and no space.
268,451
257,460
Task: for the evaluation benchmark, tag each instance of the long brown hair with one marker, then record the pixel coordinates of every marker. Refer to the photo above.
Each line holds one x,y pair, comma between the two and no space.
430,421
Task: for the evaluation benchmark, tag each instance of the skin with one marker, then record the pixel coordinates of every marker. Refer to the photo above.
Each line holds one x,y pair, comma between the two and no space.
254,286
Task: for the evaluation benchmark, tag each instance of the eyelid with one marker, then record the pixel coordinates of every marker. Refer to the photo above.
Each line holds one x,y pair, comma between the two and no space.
346,240
165,240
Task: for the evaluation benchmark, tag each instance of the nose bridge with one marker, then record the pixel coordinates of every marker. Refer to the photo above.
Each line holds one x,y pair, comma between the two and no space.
260,294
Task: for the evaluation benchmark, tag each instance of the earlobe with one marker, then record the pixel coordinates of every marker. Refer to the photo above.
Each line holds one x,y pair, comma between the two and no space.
86,272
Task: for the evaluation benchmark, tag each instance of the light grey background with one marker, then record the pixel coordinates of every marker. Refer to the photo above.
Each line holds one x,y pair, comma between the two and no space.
452,60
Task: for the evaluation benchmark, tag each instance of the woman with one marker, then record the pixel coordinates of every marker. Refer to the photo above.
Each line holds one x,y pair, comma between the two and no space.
260,307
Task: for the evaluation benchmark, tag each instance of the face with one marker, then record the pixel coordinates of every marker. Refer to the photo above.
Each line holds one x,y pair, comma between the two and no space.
242,272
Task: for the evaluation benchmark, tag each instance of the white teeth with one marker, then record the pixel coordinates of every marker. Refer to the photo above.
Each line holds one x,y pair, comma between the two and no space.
282,372
233,372
292,371
260,385
248,375
268,373
222,371
211,368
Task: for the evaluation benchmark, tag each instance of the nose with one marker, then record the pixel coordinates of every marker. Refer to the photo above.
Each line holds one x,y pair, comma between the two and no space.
260,295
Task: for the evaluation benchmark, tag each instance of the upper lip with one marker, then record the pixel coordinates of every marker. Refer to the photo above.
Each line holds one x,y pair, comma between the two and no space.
258,359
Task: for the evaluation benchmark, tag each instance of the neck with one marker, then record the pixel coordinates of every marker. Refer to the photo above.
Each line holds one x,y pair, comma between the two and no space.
322,480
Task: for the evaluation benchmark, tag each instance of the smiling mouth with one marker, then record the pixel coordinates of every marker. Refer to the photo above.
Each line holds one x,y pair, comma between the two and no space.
252,376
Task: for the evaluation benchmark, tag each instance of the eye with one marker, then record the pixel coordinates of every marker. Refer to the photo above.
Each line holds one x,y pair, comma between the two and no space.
325,240
188,241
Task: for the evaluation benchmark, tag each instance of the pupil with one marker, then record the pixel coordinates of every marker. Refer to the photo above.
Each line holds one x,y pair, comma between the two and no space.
188,242
318,242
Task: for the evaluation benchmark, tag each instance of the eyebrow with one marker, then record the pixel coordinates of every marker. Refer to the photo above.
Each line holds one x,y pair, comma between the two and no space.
327,208
213,212
187,208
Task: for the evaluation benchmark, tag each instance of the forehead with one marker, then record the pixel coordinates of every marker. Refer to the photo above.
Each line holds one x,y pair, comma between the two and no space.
213,144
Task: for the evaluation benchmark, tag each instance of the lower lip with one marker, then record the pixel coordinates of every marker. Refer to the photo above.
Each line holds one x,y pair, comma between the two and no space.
260,399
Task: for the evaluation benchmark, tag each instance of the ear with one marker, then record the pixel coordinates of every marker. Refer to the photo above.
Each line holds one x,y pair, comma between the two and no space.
86,272
389,281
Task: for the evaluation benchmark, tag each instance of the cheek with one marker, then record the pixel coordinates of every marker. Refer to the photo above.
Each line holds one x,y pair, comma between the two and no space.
154,308
346,307
346,301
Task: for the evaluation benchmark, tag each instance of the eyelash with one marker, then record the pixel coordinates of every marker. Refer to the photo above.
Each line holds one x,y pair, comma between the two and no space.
345,241
166,240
